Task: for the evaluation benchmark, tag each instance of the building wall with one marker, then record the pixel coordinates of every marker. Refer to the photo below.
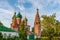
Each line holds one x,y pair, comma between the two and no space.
12,34
18,21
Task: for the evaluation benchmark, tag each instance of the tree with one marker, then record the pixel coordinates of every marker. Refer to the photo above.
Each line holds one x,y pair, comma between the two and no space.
23,32
33,29
50,25
1,23
1,36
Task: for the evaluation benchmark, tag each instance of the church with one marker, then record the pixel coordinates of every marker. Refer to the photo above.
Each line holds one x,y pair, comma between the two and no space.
37,25
16,22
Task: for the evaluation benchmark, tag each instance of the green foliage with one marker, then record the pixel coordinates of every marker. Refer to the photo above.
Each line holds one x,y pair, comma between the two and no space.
51,27
48,21
1,37
50,30
33,29
1,23
23,33
38,39
44,38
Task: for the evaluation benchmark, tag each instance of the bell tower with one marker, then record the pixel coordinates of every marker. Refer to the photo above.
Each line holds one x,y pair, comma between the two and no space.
37,26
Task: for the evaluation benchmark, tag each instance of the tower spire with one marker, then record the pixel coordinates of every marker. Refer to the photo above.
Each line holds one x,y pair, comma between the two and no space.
37,10
37,26
37,18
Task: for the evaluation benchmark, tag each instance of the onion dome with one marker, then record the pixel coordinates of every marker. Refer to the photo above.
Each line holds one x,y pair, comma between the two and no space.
19,15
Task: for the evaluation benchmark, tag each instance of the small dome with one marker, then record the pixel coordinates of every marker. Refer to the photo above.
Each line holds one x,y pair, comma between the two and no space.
13,15
26,19
19,15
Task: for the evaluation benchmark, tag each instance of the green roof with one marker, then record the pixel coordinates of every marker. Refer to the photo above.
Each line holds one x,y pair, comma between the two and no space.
3,28
19,15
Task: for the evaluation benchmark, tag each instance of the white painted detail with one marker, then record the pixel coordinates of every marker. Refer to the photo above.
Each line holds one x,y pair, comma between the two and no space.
12,34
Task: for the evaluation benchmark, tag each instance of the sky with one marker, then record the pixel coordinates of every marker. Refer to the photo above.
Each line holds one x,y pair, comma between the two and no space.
27,8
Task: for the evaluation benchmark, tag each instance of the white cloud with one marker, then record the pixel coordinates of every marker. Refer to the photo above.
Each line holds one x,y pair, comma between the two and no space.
55,1
41,4
21,7
5,16
37,4
58,15
6,5
6,12
30,15
49,1
19,1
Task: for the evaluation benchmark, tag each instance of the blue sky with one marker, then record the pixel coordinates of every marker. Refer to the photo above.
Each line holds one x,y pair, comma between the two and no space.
27,8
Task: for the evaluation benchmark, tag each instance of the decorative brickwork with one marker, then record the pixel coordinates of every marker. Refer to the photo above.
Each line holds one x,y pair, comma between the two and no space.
37,26
16,21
